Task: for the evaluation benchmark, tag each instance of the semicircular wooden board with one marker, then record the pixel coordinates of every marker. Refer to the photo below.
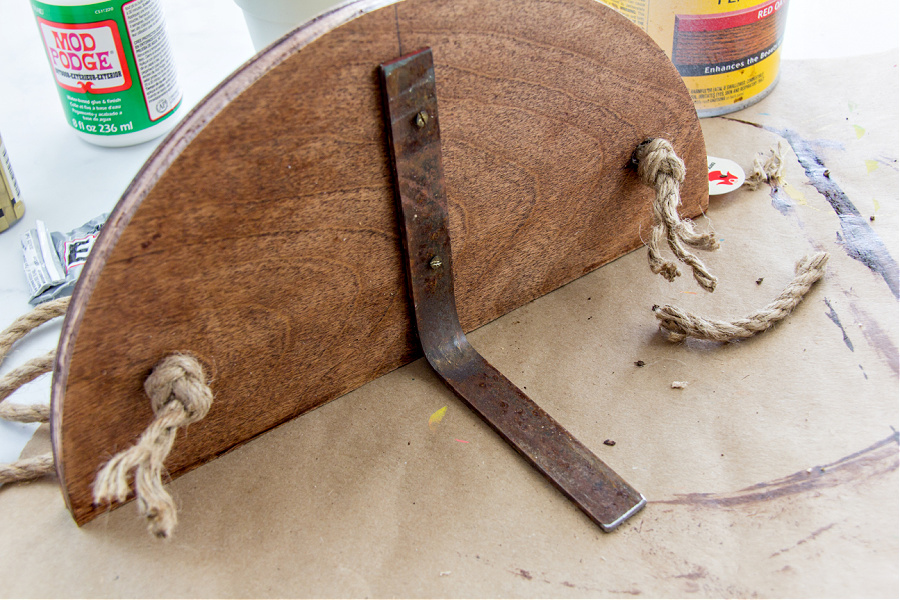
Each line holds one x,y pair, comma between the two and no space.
262,234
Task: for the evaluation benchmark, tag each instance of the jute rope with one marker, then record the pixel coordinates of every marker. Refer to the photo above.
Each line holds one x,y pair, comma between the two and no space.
680,324
26,469
21,375
771,171
179,396
27,322
660,168
31,468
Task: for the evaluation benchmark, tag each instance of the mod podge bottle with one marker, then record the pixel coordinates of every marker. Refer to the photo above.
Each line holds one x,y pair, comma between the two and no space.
113,67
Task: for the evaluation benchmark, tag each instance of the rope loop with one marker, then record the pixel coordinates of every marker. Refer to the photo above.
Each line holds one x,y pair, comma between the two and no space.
660,168
39,466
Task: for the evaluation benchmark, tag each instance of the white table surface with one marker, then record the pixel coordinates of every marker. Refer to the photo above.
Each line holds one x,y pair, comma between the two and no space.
66,181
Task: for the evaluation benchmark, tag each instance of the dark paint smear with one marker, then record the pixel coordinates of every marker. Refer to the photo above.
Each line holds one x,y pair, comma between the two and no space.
837,321
808,538
698,573
781,201
877,337
878,459
524,574
859,240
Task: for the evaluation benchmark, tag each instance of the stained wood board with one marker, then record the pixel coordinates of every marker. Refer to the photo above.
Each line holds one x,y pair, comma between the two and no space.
261,236
773,474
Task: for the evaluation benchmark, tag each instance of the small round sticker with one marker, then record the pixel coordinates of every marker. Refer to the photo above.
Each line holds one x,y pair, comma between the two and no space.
724,175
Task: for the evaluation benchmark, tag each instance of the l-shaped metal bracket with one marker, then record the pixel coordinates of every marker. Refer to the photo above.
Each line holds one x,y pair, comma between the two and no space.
410,101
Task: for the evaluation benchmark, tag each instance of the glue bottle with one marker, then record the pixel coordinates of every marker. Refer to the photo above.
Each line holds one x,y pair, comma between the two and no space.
113,67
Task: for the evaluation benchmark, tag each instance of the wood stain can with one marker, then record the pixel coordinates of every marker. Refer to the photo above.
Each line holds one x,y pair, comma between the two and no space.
11,206
728,52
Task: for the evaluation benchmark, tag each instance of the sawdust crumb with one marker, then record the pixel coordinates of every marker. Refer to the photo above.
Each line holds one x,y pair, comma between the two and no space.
679,385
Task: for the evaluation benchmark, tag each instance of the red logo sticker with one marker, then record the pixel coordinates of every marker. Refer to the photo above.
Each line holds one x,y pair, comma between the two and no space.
724,175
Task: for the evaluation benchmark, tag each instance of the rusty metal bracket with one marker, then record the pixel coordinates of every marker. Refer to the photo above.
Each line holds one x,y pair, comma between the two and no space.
410,101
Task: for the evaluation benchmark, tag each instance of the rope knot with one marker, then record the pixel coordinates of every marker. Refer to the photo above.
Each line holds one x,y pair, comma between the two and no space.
179,396
179,378
656,158
660,168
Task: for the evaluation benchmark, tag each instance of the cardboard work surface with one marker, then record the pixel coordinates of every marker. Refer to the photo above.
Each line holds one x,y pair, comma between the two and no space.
773,473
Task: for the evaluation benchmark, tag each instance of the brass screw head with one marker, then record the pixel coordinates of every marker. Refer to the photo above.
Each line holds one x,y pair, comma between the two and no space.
421,119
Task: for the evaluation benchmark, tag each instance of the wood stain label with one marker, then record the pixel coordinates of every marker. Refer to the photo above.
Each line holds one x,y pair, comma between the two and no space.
11,207
727,51
112,64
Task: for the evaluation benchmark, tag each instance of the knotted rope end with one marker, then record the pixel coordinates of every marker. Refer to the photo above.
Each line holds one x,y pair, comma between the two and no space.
655,160
179,396
660,168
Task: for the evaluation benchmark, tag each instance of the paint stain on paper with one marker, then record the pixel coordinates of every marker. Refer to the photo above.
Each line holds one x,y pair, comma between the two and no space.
878,459
795,194
805,540
860,131
831,314
871,165
436,417
875,204
877,337
781,201
860,241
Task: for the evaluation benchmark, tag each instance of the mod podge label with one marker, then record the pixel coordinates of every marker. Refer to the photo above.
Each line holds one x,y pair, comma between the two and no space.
112,64
86,58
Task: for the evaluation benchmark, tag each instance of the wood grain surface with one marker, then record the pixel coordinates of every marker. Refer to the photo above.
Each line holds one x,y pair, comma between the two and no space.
262,236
